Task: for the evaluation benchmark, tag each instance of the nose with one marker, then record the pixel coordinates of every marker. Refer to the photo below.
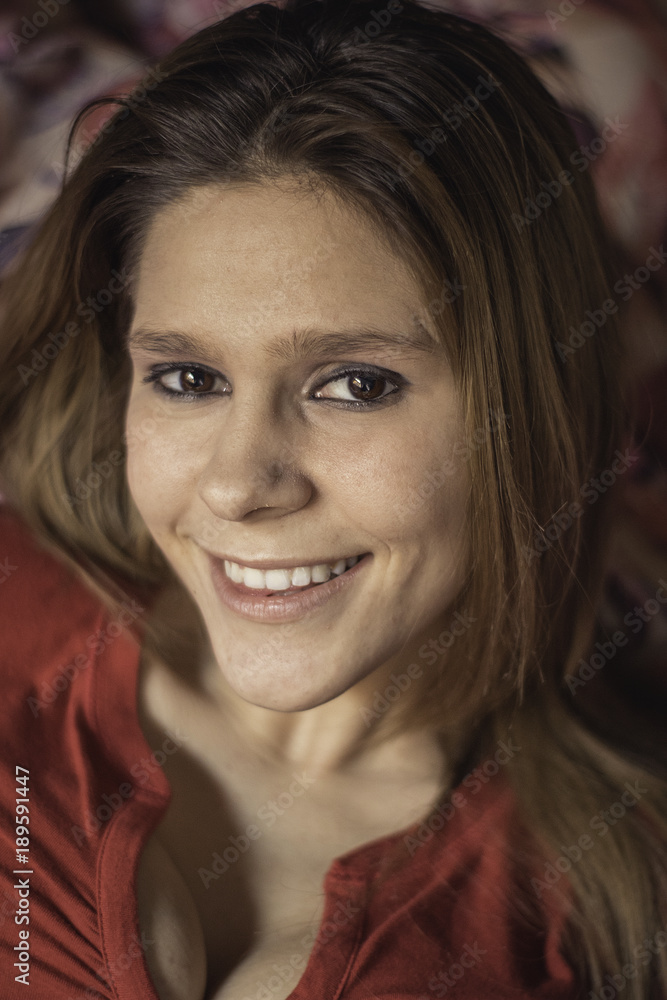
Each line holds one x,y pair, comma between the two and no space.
254,467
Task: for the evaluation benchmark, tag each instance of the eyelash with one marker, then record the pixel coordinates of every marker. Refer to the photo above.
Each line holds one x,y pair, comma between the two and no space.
157,371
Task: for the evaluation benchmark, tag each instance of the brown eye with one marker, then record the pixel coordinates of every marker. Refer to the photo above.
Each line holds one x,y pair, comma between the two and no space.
357,387
367,386
196,380
186,382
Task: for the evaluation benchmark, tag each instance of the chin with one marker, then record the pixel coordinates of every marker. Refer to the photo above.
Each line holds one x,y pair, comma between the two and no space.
280,700
277,702
282,687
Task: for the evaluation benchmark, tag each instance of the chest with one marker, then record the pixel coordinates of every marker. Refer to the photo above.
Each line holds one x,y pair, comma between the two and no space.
246,938
231,884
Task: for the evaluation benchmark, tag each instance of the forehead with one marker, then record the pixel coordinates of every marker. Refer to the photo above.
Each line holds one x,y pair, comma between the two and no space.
271,218
244,255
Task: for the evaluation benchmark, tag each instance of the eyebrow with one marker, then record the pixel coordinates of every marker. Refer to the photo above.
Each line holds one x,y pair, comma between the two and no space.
311,342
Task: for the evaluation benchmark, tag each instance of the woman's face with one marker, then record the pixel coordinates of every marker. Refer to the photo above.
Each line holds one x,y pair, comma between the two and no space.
256,300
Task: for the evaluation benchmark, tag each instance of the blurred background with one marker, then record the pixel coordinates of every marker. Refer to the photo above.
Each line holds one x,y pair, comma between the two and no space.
602,59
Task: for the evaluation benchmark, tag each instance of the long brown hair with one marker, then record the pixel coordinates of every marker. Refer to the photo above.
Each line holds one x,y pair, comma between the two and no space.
440,135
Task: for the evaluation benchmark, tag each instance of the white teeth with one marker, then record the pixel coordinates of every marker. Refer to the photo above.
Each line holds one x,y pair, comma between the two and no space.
301,576
254,578
278,579
234,571
283,579
320,573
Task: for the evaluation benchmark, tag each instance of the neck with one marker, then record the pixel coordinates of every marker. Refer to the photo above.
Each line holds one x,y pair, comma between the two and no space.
339,735
352,733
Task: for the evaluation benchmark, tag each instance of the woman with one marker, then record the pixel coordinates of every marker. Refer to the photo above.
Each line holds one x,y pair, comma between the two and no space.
300,565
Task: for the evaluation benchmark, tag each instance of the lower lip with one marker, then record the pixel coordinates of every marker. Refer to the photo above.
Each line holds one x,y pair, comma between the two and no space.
280,607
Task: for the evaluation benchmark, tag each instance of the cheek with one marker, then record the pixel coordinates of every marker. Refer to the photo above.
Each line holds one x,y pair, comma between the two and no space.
160,462
405,484
398,483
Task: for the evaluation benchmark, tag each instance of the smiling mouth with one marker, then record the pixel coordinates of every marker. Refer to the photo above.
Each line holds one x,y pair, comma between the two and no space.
285,581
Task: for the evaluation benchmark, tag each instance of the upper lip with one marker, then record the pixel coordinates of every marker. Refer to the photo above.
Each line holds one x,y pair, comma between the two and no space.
282,563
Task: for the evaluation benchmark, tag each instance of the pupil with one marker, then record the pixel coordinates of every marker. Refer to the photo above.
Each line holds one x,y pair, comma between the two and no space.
361,383
194,378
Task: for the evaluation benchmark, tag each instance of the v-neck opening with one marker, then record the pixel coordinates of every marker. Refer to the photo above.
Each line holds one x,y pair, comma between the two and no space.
115,691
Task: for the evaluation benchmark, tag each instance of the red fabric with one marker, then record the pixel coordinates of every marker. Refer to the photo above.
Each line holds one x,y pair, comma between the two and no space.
450,903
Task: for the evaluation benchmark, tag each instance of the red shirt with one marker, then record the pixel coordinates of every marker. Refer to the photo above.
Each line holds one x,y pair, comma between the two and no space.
431,911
